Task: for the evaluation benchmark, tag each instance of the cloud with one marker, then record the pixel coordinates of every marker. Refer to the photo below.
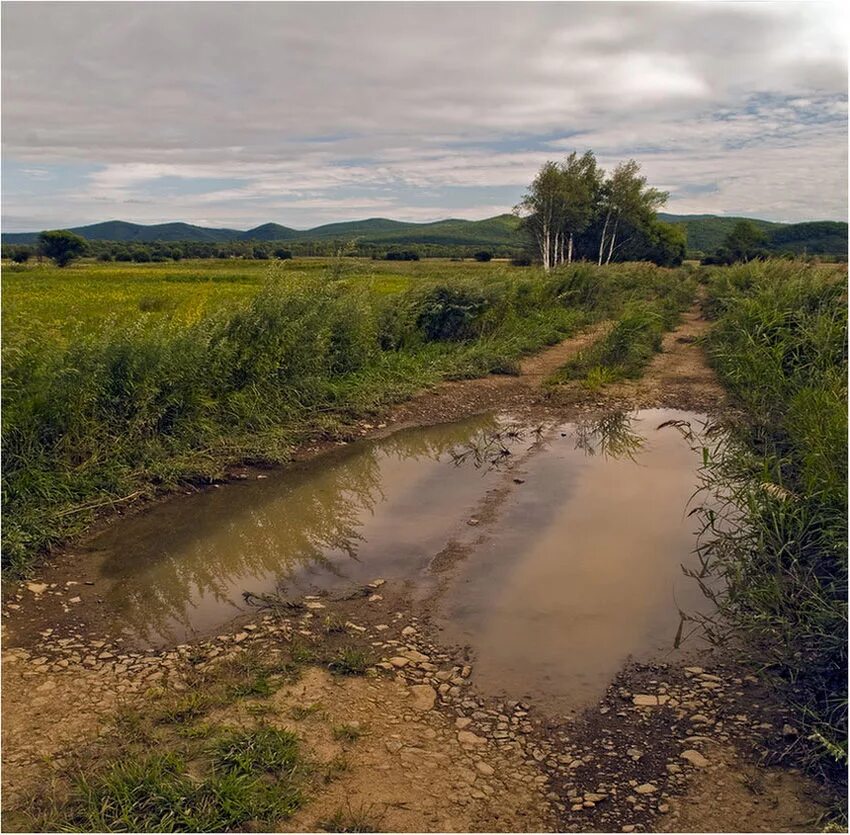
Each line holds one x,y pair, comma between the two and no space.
271,111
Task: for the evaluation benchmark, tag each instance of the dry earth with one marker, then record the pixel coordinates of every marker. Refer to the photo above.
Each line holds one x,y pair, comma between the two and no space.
668,748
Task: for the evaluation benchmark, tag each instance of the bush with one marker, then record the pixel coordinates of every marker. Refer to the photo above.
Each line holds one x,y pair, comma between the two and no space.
450,313
483,256
402,255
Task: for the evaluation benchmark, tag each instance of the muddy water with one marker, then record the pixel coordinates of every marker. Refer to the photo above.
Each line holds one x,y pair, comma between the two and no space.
564,558
373,509
583,568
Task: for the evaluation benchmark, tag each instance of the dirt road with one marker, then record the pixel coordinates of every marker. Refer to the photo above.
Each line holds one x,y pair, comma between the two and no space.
667,748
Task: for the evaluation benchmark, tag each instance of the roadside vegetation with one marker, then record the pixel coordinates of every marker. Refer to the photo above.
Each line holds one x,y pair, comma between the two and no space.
123,403
774,540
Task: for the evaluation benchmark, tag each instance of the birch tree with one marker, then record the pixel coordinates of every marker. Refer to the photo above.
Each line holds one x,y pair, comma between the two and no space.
541,208
581,183
625,198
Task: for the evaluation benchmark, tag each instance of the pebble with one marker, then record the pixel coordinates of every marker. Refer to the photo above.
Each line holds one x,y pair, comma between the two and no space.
694,758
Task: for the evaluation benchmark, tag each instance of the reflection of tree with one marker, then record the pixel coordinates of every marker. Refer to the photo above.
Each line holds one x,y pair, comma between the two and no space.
611,436
493,448
308,522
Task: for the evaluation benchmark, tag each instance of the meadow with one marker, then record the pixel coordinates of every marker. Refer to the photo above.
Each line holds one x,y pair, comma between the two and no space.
127,380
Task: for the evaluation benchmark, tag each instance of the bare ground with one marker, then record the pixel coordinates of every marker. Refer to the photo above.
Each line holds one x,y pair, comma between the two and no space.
434,754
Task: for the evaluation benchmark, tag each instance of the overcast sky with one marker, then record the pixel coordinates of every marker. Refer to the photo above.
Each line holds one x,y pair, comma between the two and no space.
235,114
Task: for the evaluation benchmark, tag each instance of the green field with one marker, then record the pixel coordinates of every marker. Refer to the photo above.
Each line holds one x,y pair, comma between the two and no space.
127,380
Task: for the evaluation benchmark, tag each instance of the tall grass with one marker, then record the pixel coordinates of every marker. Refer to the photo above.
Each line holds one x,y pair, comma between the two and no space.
96,414
774,545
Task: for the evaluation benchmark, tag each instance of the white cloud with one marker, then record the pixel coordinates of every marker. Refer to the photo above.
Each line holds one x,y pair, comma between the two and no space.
298,106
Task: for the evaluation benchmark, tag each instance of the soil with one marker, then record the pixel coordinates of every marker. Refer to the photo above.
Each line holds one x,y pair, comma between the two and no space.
668,748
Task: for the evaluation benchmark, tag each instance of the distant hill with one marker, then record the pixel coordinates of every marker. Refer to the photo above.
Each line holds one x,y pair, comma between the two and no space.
494,230
705,233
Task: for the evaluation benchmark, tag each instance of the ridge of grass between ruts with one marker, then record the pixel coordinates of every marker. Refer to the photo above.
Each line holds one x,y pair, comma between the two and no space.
93,416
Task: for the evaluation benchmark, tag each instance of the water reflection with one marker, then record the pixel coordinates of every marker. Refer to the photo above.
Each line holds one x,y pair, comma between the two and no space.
613,435
182,568
584,566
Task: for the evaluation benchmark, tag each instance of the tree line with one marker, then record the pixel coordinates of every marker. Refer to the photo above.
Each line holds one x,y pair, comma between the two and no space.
63,247
575,210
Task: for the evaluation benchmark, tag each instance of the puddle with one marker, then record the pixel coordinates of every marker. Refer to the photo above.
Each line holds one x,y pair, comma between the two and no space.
583,567
571,563
373,509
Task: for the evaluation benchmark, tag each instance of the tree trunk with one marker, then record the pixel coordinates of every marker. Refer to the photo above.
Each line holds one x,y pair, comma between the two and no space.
604,233
570,250
613,238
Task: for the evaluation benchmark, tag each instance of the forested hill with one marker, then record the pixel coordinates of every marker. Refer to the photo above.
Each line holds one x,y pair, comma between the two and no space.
705,233
499,230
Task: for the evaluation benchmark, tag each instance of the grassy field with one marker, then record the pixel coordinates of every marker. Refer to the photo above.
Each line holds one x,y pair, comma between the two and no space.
126,380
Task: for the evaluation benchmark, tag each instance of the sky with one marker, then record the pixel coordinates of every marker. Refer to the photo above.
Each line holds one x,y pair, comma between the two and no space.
237,114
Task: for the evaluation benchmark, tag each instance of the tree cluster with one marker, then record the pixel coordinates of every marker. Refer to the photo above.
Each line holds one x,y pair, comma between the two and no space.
574,210
746,242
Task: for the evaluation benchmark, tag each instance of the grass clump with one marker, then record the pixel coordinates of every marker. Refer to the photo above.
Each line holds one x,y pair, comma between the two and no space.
350,661
156,794
774,539
256,751
346,732
348,819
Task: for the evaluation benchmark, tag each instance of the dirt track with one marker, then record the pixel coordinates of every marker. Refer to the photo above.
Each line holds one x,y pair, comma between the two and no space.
434,754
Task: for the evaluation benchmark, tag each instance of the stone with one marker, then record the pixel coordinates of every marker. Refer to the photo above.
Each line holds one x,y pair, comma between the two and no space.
485,769
314,604
399,662
462,722
408,631
646,788
393,746
424,696
415,657
37,588
694,758
647,700
469,738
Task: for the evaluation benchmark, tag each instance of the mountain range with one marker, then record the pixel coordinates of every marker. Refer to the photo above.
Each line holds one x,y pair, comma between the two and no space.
705,233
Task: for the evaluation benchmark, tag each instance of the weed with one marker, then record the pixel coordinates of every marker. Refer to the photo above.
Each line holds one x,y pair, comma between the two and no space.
185,708
346,732
156,794
257,751
300,712
773,548
350,661
348,819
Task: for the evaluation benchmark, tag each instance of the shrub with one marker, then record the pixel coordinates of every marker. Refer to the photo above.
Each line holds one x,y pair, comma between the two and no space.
483,256
450,313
